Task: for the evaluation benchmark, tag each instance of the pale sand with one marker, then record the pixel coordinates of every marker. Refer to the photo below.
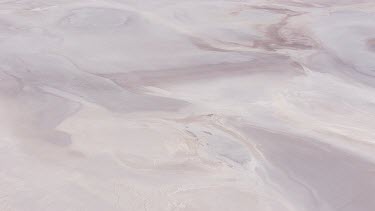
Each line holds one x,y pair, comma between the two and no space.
187,105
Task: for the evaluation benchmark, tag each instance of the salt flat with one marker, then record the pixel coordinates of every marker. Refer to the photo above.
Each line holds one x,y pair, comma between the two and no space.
262,105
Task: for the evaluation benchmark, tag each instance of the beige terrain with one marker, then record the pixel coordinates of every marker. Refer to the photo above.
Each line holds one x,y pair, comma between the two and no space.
187,105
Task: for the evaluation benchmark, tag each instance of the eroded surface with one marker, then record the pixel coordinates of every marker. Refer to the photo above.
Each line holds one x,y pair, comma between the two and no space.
187,105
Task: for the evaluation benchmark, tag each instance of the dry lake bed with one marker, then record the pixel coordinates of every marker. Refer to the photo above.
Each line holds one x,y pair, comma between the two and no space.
187,105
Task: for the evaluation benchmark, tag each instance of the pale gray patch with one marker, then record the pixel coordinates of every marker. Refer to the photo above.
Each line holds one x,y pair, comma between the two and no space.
318,174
